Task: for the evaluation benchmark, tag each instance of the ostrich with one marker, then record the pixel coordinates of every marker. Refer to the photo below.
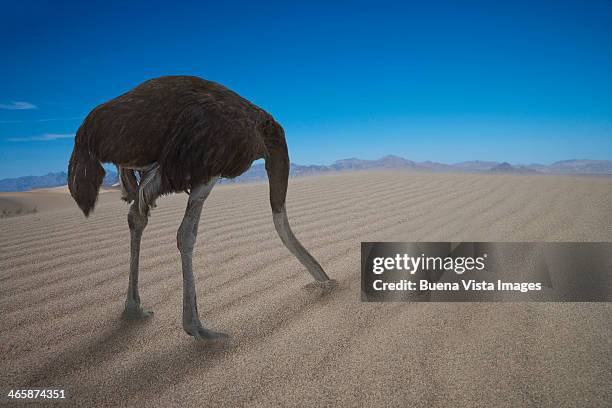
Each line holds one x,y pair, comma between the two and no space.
173,134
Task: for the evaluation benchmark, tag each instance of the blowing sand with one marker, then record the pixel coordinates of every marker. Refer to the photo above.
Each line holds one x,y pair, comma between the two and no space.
63,280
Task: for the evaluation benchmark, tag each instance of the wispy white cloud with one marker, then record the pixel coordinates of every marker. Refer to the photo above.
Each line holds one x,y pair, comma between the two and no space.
42,138
15,105
42,120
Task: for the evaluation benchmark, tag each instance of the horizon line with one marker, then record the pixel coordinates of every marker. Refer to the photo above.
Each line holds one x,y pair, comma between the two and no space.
108,166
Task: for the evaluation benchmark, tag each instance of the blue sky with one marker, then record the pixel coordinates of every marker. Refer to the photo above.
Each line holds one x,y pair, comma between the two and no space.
450,81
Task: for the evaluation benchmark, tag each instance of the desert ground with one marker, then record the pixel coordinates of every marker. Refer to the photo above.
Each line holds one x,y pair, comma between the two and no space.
63,280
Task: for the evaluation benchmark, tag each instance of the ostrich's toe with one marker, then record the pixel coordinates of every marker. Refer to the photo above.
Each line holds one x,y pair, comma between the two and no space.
136,313
329,284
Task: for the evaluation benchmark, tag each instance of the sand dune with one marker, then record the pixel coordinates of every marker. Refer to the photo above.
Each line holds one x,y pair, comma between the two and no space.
63,280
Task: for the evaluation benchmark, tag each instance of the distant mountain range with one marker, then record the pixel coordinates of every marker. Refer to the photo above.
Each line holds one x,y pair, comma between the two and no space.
48,180
507,168
575,167
258,171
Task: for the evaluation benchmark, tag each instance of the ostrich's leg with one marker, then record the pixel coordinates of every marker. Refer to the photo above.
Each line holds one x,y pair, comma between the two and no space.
281,223
137,222
186,238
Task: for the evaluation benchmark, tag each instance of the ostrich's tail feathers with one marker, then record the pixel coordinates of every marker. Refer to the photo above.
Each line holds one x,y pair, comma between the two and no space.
85,176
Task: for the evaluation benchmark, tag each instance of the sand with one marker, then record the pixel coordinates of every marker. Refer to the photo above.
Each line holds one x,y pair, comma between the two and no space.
40,200
63,280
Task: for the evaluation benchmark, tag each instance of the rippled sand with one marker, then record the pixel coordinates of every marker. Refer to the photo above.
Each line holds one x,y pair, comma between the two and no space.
63,280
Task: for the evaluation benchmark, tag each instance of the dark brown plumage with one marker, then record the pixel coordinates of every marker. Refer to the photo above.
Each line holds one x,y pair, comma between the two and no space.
192,128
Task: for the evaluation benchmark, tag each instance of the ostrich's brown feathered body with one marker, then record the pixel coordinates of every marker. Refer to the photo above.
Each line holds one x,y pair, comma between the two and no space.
192,128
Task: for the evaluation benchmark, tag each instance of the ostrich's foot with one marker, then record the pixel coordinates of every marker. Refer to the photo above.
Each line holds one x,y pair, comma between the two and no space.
204,335
136,312
328,284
